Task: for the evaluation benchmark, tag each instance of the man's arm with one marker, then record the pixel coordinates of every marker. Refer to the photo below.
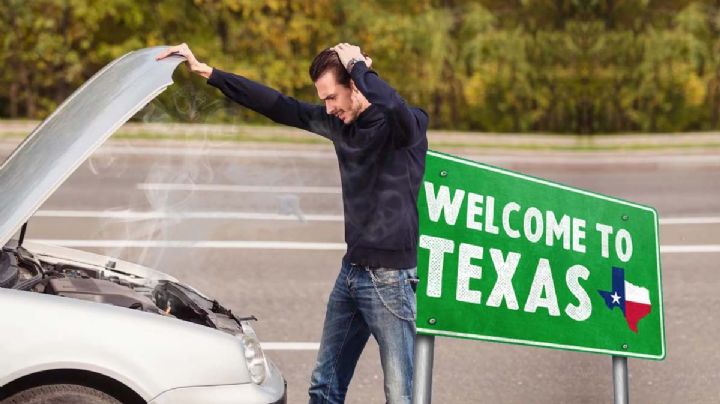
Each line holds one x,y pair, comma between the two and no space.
406,124
262,99
273,104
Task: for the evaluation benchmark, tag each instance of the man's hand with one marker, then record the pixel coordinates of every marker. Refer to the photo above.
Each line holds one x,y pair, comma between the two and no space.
348,52
194,65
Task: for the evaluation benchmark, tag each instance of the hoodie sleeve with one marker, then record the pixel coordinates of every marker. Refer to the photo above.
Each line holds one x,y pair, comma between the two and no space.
407,125
271,103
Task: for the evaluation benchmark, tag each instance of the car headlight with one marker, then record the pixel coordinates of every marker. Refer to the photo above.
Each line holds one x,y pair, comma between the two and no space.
254,357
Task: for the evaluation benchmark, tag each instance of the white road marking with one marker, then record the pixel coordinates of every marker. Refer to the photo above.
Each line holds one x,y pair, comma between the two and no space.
216,152
290,346
235,151
280,245
238,188
685,249
150,215
691,220
229,215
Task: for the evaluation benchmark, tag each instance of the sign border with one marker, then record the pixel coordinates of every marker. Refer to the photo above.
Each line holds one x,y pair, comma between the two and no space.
427,331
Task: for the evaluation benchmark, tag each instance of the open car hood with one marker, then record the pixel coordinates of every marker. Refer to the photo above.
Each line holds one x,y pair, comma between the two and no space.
63,141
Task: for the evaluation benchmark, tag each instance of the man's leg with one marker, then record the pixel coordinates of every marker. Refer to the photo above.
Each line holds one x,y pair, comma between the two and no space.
387,301
345,334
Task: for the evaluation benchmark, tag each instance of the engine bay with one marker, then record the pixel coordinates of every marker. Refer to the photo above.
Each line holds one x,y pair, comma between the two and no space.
22,270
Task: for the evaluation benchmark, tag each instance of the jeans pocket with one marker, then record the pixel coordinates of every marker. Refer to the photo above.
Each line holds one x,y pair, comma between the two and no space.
395,292
386,276
412,279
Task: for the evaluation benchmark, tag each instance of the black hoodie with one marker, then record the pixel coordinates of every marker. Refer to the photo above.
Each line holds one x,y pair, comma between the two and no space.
381,157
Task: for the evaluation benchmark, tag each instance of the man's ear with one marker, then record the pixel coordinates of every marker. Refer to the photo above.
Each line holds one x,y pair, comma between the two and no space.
353,87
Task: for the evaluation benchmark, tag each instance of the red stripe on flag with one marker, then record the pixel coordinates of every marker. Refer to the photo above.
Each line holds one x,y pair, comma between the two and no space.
634,312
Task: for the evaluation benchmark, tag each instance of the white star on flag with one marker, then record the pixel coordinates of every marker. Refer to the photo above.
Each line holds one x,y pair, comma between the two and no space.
615,298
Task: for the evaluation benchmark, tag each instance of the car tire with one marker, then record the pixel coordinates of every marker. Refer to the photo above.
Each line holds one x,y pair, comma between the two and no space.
8,271
61,394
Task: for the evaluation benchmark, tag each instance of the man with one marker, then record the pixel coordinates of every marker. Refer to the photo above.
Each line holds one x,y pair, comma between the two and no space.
380,144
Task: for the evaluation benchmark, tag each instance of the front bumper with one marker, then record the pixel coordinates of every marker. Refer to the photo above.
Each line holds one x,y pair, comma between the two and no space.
272,391
227,394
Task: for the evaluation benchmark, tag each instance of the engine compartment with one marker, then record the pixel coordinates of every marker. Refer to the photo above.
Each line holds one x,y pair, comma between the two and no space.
109,286
99,291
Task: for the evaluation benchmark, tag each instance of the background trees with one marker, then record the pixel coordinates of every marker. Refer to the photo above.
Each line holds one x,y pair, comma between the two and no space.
491,65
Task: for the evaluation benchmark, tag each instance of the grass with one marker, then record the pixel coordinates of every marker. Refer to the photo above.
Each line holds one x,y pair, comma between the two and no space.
594,147
245,137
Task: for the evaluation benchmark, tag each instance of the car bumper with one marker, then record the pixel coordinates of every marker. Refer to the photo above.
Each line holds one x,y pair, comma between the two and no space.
226,394
272,391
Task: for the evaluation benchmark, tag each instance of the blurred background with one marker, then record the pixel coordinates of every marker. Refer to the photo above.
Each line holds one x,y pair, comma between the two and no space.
570,66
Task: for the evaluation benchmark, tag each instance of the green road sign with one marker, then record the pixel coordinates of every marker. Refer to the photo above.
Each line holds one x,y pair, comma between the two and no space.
510,258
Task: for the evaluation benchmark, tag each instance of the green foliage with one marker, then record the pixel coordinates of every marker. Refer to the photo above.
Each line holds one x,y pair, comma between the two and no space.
528,65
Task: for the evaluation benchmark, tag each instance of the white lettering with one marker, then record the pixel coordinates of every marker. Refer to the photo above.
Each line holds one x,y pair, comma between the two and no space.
623,237
467,271
503,288
561,230
582,311
510,207
605,232
490,216
474,208
542,285
578,235
438,248
533,214
440,203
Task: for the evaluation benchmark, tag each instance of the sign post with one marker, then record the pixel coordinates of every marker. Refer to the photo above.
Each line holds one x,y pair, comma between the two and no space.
422,372
505,257
620,380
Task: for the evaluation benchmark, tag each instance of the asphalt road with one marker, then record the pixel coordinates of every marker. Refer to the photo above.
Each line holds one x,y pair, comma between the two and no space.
241,193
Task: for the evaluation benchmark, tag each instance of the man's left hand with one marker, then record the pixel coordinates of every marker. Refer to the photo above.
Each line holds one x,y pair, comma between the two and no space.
348,52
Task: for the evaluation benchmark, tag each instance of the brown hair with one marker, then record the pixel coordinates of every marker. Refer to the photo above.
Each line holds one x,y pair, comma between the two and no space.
326,60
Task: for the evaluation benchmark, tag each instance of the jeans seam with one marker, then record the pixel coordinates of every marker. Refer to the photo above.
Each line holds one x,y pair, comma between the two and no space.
412,364
337,358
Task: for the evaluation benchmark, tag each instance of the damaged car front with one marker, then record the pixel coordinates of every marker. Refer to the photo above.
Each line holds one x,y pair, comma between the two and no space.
85,328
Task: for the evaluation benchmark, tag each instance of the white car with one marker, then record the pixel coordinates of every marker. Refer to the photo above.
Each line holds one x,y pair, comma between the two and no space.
83,328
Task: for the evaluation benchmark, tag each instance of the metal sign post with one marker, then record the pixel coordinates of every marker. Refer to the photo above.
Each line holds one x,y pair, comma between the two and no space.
620,379
422,373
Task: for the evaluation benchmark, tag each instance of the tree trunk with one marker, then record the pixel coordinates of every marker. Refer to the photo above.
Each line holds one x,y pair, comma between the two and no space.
13,100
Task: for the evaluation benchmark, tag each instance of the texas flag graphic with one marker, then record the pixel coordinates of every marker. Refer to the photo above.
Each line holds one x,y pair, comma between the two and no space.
633,301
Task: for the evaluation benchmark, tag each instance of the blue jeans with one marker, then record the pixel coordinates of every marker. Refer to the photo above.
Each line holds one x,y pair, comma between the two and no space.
367,301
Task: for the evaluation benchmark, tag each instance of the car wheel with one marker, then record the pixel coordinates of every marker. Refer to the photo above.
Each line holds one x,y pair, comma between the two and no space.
61,394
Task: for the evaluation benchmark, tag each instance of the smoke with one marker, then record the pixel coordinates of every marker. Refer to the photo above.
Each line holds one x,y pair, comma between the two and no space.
182,102
188,163
179,103
109,164
290,205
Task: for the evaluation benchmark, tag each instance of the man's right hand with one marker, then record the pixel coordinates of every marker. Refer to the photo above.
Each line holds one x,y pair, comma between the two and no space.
184,50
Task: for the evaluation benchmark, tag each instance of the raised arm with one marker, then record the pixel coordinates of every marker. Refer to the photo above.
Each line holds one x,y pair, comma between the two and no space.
273,104
407,124
258,97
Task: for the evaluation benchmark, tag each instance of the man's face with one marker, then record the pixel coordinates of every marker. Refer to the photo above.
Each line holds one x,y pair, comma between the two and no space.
340,100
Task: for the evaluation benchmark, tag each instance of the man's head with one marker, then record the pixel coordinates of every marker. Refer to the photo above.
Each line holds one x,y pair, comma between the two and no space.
336,88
